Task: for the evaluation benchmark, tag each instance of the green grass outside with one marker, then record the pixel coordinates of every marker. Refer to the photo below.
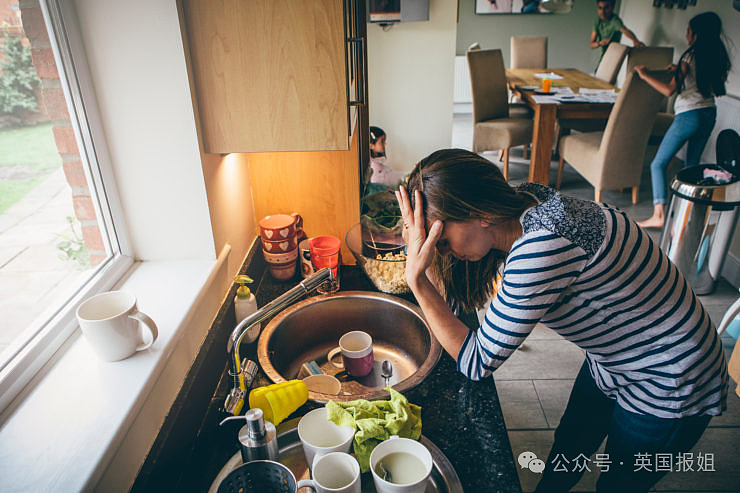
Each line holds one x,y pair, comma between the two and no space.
11,191
33,148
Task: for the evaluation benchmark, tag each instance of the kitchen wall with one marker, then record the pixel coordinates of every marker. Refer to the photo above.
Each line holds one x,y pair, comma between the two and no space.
410,75
568,34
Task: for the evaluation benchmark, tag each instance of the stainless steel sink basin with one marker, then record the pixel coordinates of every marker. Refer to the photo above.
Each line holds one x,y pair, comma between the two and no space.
309,329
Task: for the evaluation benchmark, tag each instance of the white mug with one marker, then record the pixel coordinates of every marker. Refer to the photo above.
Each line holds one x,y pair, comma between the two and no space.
110,323
408,461
335,472
319,436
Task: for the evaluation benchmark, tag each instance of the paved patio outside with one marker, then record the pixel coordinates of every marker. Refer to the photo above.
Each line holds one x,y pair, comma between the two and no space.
32,276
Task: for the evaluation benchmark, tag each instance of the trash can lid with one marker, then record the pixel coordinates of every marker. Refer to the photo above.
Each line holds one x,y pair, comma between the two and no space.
691,184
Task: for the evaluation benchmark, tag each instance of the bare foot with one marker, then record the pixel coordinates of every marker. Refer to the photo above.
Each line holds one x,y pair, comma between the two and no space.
652,222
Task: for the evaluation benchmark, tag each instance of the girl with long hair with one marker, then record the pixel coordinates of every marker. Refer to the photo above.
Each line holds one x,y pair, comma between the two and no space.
654,372
699,76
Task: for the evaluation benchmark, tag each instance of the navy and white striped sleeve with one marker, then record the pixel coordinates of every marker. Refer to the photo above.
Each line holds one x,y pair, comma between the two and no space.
538,268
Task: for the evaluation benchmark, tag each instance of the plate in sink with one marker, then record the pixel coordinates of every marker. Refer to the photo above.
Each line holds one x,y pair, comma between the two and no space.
443,479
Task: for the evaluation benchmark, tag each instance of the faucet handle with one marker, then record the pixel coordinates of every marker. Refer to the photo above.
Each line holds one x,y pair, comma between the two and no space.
234,401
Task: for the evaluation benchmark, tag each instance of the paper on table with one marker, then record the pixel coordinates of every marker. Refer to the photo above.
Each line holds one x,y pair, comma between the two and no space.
550,75
585,90
545,99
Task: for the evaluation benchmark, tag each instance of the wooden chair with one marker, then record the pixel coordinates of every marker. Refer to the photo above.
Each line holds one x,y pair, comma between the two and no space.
528,52
607,71
494,125
655,58
612,159
611,62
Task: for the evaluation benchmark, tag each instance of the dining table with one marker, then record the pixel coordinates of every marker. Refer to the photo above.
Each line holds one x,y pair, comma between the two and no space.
525,84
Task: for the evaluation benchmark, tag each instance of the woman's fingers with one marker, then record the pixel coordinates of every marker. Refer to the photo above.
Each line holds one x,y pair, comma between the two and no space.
427,249
405,205
418,214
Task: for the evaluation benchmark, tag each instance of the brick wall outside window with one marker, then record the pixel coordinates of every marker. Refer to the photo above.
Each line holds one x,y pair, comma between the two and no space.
54,107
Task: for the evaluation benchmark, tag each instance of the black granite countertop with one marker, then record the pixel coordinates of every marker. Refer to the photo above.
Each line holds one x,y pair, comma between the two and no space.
461,417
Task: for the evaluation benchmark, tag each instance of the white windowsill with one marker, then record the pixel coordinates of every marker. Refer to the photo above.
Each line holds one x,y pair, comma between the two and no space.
85,424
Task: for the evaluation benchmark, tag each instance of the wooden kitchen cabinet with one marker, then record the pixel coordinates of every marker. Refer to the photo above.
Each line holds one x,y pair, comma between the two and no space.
276,75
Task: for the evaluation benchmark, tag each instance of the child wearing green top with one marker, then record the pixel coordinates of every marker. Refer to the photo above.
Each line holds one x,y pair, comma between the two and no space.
608,28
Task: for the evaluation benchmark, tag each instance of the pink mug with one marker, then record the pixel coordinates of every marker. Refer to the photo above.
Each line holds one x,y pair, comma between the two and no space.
357,353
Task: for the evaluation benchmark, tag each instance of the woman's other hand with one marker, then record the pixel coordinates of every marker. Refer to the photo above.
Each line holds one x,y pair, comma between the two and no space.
641,69
420,245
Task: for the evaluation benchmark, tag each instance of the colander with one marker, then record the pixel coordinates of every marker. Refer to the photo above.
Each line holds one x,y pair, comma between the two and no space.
259,476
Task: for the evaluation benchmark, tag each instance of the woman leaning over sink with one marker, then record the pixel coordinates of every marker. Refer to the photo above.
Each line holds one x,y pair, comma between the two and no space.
654,373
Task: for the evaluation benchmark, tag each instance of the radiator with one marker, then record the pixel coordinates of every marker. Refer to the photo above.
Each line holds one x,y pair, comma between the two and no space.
462,93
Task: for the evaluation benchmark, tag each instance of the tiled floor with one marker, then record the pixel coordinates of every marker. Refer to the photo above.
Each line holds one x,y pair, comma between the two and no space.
534,384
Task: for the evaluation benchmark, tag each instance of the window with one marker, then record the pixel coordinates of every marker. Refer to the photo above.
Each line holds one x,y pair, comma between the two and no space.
58,236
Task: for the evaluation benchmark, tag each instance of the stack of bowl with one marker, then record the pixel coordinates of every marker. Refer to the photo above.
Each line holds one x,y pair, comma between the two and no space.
279,235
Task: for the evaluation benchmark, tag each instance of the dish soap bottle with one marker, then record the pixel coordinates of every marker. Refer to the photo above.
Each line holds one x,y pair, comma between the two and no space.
245,304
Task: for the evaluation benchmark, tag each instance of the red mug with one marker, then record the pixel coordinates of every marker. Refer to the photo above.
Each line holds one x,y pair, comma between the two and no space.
325,253
357,353
280,246
278,227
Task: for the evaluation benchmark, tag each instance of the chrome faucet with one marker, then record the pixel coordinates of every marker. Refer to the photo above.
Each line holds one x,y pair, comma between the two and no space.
235,400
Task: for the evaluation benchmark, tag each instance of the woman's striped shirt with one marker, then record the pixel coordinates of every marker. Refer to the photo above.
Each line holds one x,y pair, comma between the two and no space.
591,274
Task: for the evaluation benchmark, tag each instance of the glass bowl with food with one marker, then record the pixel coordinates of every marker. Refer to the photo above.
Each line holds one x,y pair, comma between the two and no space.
381,257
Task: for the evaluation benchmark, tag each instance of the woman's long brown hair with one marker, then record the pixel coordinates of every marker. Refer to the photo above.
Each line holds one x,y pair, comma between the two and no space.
459,185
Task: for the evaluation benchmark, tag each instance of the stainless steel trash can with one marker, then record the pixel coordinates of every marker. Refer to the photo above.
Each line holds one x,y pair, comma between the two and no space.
699,226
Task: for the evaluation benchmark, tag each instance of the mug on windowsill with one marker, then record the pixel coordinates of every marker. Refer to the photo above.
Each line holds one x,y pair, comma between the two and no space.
111,324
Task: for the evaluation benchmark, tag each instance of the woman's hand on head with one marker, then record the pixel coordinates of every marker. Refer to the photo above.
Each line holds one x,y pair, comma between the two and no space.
420,244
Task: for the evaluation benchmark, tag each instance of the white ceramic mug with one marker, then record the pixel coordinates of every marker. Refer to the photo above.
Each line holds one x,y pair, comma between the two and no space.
319,436
408,461
110,323
335,472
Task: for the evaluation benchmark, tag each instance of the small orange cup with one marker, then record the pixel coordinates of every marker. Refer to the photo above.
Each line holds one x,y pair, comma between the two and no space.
546,85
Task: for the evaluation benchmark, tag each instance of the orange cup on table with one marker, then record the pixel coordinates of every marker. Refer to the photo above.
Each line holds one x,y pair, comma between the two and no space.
546,85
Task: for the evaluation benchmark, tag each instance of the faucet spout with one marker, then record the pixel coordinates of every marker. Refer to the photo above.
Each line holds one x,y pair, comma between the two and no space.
235,400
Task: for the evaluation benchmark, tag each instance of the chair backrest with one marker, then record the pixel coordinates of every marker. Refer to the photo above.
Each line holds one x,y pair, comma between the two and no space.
622,149
528,52
611,62
653,57
488,84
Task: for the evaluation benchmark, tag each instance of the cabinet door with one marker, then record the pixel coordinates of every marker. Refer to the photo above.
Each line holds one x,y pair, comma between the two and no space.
269,75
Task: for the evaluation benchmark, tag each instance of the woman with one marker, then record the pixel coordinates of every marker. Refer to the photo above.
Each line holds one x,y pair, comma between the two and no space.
700,75
654,372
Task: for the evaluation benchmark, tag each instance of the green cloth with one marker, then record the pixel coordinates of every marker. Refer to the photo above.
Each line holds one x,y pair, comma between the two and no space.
375,421
611,30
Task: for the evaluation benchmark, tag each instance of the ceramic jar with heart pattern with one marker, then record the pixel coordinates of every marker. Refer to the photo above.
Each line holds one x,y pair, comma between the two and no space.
280,227
279,234
280,246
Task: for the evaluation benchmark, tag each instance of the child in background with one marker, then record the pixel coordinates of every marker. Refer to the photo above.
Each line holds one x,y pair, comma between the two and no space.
608,28
382,174
700,76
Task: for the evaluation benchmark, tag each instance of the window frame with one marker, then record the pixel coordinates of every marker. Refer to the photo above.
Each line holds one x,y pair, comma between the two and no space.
30,355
